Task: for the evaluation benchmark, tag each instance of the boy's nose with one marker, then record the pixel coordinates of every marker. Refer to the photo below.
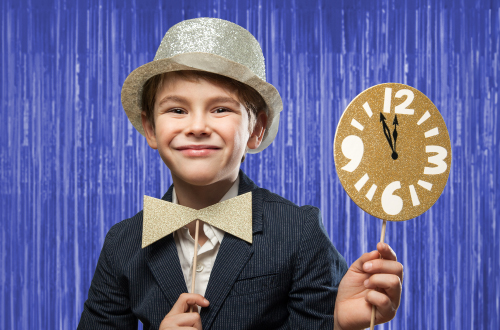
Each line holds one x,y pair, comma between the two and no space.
199,126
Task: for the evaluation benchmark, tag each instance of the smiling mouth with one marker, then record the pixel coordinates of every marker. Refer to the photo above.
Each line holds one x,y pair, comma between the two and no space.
198,150
198,147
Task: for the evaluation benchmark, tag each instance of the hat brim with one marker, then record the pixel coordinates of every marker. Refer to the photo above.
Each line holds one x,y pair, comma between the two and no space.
133,86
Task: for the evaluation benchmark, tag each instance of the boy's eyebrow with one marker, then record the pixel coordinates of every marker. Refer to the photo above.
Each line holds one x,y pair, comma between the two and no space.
172,98
224,99
218,99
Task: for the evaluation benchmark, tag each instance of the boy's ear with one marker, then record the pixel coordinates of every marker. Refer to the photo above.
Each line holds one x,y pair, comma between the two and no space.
148,131
257,135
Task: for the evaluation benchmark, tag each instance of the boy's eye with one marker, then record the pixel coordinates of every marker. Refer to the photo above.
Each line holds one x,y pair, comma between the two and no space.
221,110
177,111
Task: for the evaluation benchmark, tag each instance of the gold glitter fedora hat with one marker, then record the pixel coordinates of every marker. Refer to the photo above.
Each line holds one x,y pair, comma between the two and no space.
212,45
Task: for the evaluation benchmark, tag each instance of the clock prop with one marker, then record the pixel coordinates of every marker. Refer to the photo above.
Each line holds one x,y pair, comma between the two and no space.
392,153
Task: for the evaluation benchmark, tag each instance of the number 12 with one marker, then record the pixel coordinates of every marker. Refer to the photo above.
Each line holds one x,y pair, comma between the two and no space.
399,109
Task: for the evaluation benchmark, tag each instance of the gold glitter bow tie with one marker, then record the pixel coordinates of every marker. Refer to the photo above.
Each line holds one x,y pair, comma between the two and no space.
161,218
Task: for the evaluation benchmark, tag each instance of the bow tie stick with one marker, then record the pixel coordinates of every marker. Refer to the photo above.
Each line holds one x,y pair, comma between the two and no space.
382,237
195,258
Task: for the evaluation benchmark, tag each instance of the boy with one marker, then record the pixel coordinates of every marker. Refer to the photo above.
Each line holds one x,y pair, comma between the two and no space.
203,103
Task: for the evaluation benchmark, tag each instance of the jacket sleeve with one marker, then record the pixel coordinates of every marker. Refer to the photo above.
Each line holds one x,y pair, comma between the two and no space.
108,305
318,270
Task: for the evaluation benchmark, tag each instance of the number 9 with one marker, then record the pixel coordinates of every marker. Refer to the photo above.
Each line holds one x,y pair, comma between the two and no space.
353,149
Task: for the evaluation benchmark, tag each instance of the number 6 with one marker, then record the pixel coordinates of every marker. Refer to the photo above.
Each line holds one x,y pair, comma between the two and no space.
392,204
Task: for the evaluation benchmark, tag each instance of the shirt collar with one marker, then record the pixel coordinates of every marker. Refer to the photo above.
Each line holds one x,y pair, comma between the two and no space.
232,192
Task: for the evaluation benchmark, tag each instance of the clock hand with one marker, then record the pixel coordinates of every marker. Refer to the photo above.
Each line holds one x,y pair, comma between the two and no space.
387,131
395,136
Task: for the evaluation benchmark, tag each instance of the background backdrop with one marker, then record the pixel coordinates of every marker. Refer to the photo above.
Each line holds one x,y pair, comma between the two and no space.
71,164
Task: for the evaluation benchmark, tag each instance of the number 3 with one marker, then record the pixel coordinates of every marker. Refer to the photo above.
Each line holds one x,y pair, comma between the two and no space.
436,160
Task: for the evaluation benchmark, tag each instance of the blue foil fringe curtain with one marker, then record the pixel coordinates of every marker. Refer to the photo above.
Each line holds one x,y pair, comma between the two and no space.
71,165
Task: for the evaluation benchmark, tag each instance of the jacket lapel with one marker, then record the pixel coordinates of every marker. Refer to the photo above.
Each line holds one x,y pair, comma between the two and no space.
233,255
163,261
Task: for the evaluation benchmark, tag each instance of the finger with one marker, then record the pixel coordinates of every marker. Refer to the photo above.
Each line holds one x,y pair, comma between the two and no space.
185,301
358,264
383,304
390,284
386,252
181,320
382,266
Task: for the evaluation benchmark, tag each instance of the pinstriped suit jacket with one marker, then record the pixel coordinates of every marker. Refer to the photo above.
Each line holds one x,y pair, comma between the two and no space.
286,279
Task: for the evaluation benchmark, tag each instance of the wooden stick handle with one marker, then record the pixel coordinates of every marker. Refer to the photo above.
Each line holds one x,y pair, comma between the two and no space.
382,238
195,258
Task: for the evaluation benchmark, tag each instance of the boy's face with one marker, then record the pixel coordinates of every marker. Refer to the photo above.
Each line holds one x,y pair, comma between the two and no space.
201,131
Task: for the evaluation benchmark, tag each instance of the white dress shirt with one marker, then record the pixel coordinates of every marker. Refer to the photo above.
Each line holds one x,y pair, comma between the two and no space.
206,253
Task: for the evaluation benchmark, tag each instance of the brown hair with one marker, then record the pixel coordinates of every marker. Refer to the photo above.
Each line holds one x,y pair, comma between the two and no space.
249,97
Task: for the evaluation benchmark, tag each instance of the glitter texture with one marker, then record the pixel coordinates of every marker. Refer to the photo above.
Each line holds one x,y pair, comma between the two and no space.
377,166
162,218
214,36
212,45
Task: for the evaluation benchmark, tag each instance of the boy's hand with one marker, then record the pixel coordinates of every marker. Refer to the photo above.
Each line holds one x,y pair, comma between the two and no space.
178,318
357,293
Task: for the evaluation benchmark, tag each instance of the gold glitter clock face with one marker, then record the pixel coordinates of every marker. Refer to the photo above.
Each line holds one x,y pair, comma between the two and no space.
392,152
